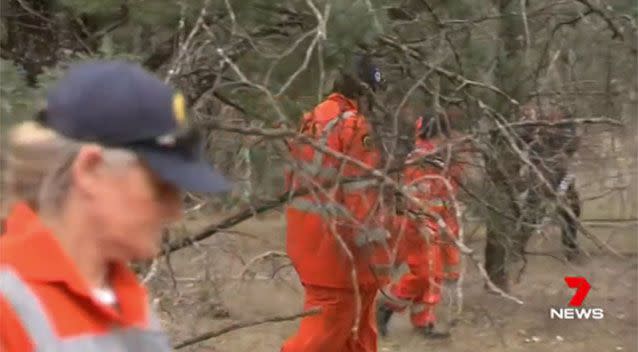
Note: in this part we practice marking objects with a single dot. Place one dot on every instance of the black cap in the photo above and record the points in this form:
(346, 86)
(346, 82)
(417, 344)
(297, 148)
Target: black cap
(119, 104)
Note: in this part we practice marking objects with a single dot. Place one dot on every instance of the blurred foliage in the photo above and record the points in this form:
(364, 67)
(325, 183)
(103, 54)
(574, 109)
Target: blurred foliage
(148, 12)
(17, 98)
(351, 24)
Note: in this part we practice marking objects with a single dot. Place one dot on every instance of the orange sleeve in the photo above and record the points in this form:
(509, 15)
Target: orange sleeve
(13, 338)
(361, 204)
(345, 225)
(339, 142)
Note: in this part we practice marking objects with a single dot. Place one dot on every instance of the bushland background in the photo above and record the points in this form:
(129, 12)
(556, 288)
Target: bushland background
(246, 67)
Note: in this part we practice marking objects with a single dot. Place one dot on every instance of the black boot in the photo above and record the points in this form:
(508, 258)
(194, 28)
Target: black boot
(383, 318)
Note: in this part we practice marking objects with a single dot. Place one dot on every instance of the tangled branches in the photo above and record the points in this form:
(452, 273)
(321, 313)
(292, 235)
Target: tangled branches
(269, 73)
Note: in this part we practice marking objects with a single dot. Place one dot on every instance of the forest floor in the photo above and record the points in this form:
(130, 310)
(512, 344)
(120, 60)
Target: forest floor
(208, 294)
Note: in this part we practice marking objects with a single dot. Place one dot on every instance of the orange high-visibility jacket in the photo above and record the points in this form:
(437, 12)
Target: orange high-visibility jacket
(45, 305)
(427, 183)
(412, 237)
(314, 219)
(436, 197)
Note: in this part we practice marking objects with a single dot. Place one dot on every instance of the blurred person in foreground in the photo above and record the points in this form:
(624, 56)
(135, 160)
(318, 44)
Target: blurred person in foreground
(92, 181)
(425, 243)
(322, 222)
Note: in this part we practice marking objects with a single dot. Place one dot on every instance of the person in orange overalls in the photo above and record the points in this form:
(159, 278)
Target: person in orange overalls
(333, 232)
(430, 255)
(106, 163)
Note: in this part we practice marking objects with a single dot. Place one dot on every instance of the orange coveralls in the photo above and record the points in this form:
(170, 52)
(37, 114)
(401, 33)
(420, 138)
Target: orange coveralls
(323, 266)
(427, 255)
(46, 306)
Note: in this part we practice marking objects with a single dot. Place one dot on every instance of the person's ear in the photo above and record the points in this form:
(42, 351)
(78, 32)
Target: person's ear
(86, 168)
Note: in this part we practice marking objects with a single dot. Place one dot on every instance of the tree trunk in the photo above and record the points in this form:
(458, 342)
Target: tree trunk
(506, 238)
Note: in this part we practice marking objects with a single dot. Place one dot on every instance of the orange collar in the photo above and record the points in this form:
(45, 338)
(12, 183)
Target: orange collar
(20, 215)
(46, 262)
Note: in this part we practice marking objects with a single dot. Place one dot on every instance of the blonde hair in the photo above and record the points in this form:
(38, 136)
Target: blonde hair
(38, 162)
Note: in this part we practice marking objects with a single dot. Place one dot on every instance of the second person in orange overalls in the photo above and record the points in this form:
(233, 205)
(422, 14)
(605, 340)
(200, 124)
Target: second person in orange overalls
(431, 256)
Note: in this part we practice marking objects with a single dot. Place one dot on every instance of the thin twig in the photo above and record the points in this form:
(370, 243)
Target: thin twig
(353, 277)
(35, 13)
(151, 273)
(262, 256)
(523, 5)
(261, 88)
(616, 32)
(183, 49)
(449, 74)
(245, 324)
(303, 67)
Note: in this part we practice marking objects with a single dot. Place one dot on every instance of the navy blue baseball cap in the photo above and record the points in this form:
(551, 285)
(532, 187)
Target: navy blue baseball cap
(121, 105)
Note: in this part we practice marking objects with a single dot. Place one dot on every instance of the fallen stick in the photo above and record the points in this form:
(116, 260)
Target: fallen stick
(225, 224)
(241, 325)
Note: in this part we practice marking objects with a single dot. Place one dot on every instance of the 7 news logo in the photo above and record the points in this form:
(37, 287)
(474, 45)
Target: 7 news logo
(576, 311)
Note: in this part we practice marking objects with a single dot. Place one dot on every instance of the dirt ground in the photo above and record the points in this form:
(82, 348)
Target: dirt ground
(208, 293)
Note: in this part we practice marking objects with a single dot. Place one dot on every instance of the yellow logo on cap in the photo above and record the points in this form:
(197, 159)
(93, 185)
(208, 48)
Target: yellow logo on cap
(179, 109)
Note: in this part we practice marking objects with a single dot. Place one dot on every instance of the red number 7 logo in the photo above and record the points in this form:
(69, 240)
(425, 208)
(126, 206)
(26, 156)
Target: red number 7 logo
(582, 289)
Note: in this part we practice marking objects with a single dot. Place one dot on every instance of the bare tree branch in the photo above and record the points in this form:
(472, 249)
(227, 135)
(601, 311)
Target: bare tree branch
(463, 82)
(245, 324)
(616, 32)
